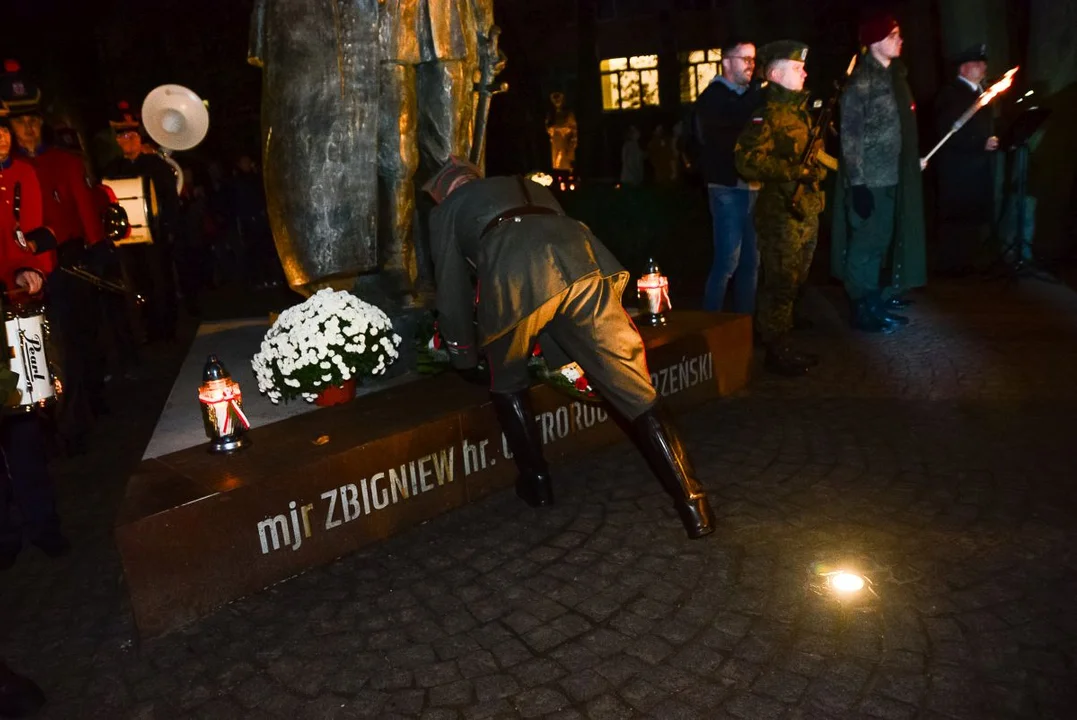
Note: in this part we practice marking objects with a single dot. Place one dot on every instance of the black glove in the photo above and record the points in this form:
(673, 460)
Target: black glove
(863, 201)
(476, 375)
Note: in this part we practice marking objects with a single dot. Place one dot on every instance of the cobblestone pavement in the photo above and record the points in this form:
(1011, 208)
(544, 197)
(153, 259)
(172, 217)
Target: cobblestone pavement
(938, 461)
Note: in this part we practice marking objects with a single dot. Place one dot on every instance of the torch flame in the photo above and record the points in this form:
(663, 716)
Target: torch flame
(1001, 86)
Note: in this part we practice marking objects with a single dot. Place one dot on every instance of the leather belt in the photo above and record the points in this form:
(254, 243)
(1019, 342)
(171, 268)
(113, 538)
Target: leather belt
(515, 213)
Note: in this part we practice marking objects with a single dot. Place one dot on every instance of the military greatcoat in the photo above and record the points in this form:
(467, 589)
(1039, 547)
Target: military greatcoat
(506, 255)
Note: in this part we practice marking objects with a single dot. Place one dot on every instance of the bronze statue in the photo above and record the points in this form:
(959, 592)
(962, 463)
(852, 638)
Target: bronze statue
(320, 135)
(561, 127)
(356, 90)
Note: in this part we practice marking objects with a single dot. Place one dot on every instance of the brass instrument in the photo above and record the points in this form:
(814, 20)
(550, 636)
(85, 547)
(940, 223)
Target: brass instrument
(177, 119)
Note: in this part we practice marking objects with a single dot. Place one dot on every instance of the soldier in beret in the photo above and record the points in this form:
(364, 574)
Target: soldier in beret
(770, 150)
(966, 165)
(543, 277)
(879, 220)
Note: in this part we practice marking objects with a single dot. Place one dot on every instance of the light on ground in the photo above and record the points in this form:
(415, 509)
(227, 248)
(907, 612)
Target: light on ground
(846, 582)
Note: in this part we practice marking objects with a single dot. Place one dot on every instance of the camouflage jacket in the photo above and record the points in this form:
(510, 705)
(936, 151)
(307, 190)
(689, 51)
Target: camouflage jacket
(770, 150)
(870, 125)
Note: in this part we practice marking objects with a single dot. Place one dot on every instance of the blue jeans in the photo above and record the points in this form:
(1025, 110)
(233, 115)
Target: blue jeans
(736, 255)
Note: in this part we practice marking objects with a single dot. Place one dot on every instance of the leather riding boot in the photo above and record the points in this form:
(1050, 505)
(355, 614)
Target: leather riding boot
(517, 419)
(19, 696)
(658, 440)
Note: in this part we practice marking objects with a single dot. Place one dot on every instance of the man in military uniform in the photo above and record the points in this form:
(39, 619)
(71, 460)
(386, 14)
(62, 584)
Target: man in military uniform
(771, 149)
(148, 268)
(879, 196)
(543, 277)
(24, 474)
(966, 165)
(70, 211)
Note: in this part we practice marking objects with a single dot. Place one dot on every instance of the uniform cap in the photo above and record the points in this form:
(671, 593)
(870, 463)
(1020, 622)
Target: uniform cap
(784, 50)
(976, 53)
(124, 117)
(452, 175)
(877, 28)
(20, 95)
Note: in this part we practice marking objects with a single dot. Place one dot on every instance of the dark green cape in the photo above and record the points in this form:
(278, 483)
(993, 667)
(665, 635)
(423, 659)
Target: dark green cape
(908, 255)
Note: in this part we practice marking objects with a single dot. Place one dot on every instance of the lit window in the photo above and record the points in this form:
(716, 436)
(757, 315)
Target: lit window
(629, 83)
(698, 68)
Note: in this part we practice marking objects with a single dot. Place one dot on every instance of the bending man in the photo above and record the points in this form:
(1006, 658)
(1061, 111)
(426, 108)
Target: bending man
(541, 273)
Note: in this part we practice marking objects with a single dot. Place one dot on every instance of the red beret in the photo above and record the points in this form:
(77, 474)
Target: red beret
(876, 28)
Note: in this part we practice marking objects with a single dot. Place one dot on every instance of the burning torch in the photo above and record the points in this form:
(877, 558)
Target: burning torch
(981, 102)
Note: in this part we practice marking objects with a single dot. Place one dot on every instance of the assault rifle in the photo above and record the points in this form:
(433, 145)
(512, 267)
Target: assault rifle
(814, 154)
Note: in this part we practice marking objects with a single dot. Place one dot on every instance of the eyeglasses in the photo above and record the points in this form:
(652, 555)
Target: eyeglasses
(746, 59)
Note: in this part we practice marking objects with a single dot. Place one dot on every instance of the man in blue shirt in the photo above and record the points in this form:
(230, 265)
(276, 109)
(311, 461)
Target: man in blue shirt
(721, 112)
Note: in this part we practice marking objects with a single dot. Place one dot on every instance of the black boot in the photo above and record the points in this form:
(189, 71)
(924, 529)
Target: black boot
(865, 319)
(898, 302)
(880, 310)
(657, 438)
(781, 359)
(517, 419)
(19, 696)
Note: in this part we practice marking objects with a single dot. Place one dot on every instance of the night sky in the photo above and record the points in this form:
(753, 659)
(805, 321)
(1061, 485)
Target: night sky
(87, 55)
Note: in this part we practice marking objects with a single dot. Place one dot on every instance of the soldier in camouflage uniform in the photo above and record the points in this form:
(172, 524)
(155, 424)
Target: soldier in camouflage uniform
(771, 149)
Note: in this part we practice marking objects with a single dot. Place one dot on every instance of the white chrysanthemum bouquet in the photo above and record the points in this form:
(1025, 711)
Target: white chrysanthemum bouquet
(326, 341)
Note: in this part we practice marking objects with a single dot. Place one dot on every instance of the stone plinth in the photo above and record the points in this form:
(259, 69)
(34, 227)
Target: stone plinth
(196, 531)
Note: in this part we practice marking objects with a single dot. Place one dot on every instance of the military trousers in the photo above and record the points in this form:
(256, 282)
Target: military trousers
(869, 241)
(585, 323)
(786, 248)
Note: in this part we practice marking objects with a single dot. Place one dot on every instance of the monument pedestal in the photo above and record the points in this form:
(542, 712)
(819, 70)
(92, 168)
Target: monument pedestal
(196, 531)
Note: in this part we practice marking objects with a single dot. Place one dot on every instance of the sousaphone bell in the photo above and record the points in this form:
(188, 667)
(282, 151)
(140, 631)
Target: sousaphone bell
(177, 119)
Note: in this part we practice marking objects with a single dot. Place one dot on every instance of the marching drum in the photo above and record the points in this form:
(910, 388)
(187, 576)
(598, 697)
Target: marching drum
(138, 198)
(27, 341)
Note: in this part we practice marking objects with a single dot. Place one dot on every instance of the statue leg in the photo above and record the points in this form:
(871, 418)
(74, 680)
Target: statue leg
(445, 126)
(446, 112)
(398, 159)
